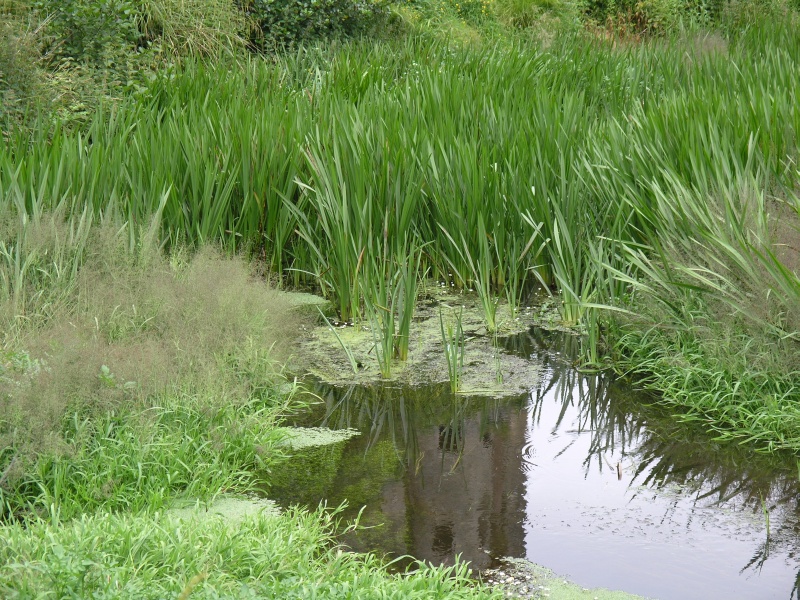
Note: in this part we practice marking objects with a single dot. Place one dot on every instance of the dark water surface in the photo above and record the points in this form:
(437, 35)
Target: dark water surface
(575, 476)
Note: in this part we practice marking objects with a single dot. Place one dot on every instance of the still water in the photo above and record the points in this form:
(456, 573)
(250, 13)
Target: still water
(575, 476)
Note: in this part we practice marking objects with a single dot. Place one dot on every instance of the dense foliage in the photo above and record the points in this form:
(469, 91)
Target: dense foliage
(359, 169)
(282, 23)
(636, 159)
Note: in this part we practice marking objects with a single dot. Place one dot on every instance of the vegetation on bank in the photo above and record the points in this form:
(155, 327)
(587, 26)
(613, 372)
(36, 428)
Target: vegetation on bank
(264, 556)
(636, 159)
(133, 382)
(656, 178)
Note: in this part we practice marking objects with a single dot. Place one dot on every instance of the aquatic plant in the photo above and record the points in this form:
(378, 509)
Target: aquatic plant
(349, 353)
(339, 165)
(453, 341)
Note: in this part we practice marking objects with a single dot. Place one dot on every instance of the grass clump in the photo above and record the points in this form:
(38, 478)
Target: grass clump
(261, 556)
(718, 315)
(183, 446)
(129, 376)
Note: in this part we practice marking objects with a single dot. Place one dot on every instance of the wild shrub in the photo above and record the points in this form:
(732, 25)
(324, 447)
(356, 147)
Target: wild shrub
(286, 23)
(20, 74)
(652, 16)
(105, 32)
(90, 30)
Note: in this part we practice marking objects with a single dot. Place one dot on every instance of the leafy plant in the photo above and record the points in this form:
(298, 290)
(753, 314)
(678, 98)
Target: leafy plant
(90, 30)
(284, 23)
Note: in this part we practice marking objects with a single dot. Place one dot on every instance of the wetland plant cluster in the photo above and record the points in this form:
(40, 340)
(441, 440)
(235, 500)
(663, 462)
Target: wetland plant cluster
(657, 180)
(647, 183)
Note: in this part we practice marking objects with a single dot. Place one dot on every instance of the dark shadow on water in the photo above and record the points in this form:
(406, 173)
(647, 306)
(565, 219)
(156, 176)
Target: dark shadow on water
(583, 475)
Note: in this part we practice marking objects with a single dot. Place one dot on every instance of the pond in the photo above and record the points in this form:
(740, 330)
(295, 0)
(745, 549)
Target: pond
(581, 475)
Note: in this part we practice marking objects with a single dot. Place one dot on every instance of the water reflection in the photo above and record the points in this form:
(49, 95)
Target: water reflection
(578, 475)
(460, 492)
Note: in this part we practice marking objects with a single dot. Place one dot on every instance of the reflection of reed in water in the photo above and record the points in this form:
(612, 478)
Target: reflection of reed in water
(666, 454)
(384, 411)
(462, 490)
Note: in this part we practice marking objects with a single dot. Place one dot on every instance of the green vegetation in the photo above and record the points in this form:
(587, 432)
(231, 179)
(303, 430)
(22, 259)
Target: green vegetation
(453, 342)
(132, 382)
(651, 187)
(638, 161)
(162, 556)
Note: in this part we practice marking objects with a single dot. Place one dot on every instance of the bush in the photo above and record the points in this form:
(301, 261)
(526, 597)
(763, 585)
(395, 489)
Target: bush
(92, 30)
(20, 76)
(103, 32)
(652, 16)
(286, 23)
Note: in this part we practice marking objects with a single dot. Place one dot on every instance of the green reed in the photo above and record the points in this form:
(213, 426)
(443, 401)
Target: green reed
(602, 173)
(453, 341)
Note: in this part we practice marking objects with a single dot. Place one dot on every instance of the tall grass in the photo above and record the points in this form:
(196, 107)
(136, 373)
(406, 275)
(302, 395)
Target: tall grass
(507, 166)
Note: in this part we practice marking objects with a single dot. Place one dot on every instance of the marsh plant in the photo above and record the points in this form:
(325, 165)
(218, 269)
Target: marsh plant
(339, 165)
(390, 296)
(498, 366)
(347, 351)
(453, 342)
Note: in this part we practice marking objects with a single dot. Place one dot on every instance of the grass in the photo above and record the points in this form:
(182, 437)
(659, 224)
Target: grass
(649, 188)
(156, 556)
(340, 165)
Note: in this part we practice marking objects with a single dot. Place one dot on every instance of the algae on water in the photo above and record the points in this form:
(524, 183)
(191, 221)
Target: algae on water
(303, 437)
(488, 370)
(233, 509)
